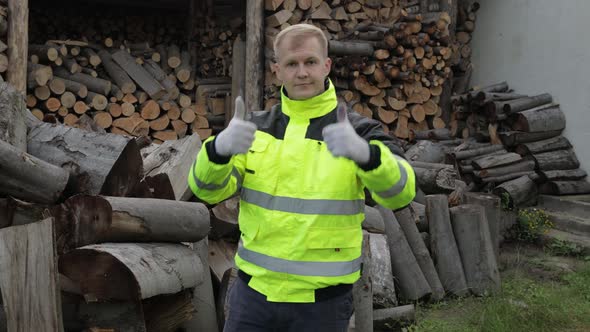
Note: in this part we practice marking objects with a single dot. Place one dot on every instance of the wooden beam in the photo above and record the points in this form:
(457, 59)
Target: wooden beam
(18, 39)
(254, 54)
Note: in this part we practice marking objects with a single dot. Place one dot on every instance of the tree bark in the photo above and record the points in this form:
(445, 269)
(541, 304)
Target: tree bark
(205, 318)
(167, 313)
(149, 84)
(475, 247)
(426, 151)
(380, 273)
(131, 271)
(254, 54)
(105, 164)
(18, 39)
(436, 181)
(13, 128)
(495, 160)
(548, 119)
(491, 204)
(512, 138)
(28, 277)
(29, 178)
(412, 283)
(383, 319)
(546, 145)
(174, 159)
(521, 104)
(443, 247)
(83, 220)
(565, 187)
(562, 175)
(363, 292)
(339, 48)
(556, 160)
(408, 225)
(373, 221)
(116, 73)
(93, 84)
(519, 192)
(14, 212)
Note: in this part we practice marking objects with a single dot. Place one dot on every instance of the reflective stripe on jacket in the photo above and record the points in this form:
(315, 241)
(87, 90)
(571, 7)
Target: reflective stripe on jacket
(301, 209)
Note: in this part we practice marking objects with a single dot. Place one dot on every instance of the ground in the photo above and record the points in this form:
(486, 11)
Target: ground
(540, 292)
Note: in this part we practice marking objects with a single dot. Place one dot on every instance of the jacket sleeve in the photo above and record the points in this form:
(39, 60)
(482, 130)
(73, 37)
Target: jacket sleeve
(388, 176)
(213, 178)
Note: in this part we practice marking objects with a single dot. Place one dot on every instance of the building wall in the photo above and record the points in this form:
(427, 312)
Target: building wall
(539, 46)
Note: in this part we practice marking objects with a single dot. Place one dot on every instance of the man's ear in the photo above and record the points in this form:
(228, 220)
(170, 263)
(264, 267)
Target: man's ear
(277, 69)
(327, 65)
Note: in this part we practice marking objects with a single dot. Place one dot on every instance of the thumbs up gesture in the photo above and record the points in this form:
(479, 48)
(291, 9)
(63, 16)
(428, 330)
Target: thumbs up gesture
(237, 138)
(343, 141)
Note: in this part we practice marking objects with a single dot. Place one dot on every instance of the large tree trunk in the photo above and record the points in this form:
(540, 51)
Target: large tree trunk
(443, 247)
(473, 239)
(548, 119)
(381, 273)
(412, 283)
(83, 220)
(130, 271)
(363, 291)
(426, 151)
(421, 253)
(512, 138)
(28, 277)
(383, 319)
(29, 178)
(105, 164)
(373, 221)
(13, 128)
(550, 144)
(174, 159)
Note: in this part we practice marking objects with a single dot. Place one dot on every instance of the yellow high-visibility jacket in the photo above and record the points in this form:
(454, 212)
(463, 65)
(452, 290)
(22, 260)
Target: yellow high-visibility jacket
(301, 209)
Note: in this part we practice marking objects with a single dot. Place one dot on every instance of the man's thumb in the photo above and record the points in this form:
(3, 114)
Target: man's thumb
(341, 113)
(240, 111)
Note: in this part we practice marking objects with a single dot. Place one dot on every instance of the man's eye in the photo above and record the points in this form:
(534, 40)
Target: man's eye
(311, 62)
(291, 64)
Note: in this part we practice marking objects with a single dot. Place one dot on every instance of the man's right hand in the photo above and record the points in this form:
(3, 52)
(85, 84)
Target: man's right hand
(237, 138)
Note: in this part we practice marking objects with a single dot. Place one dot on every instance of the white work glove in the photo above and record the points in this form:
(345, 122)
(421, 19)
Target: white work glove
(343, 141)
(237, 138)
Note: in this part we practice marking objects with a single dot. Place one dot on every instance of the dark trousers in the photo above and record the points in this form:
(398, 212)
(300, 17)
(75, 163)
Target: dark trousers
(251, 312)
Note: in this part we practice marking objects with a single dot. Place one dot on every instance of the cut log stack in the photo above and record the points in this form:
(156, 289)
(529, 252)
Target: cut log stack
(461, 58)
(388, 62)
(133, 79)
(103, 214)
(3, 39)
(521, 152)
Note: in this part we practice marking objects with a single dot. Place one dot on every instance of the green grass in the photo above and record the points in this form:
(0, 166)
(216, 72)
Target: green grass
(525, 303)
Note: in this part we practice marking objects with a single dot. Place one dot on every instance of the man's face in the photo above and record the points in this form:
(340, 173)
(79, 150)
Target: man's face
(302, 66)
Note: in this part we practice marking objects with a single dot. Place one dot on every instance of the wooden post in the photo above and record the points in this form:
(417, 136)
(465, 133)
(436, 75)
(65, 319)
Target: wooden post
(18, 39)
(254, 54)
(28, 277)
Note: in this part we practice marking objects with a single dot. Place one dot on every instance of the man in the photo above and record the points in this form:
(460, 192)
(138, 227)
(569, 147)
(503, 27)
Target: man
(301, 170)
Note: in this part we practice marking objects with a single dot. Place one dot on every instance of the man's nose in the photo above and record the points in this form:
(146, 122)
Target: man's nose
(301, 71)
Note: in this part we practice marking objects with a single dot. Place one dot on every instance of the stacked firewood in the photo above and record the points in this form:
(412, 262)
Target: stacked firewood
(502, 142)
(133, 79)
(3, 41)
(387, 63)
(461, 58)
(117, 217)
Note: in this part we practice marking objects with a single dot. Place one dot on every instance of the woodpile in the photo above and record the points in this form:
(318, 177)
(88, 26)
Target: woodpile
(390, 60)
(133, 75)
(110, 227)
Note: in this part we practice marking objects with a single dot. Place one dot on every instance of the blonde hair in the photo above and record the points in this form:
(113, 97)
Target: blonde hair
(298, 31)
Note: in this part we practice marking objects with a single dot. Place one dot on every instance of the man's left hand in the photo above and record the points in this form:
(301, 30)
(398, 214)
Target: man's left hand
(343, 141)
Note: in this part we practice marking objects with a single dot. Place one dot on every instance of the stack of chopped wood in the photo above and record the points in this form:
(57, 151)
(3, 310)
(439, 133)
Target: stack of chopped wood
(117, 218)
(502, 142)
(388, 64)
(461, 59)
(3, 41)
(131, 79)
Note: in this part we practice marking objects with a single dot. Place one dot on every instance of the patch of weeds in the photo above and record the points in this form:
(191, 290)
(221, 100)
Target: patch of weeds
(564, 248)
(530, 224)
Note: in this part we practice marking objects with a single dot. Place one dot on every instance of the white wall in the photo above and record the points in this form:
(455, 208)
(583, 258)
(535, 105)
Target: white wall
(539, 46)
